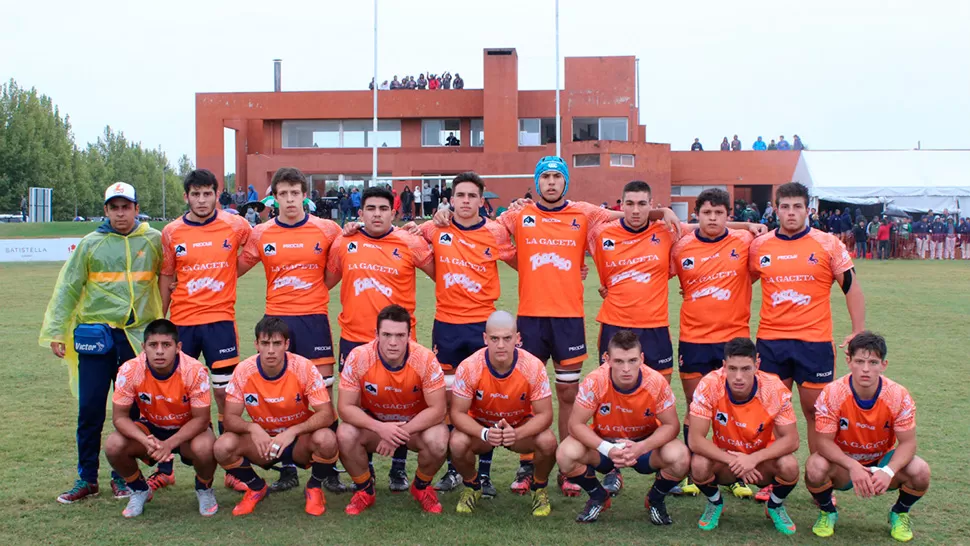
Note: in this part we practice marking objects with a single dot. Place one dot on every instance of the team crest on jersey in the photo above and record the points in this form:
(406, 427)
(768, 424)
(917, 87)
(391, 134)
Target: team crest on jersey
(522, 397)
(528, 220)
(687, 263)
(812, 259)
(843, 423)
(445, 239)
(226, 244)
(351, 247)
(145, 398)
(371, 388)
(721, 418)
(415, 389)
(886, 426)
(575, 225)
(761, 428)
(298, 398)
(317, 249)
(648, 413)
(185, 399)
(488, 252)
(608, 244)
(269, 249)
(734, 254)
(605, 409)
(765, 260)
(181, 250)
(479, 395)
(396, 253)
(251, 399)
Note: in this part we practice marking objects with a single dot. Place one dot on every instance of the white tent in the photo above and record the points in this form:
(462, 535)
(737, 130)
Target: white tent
(912, 180)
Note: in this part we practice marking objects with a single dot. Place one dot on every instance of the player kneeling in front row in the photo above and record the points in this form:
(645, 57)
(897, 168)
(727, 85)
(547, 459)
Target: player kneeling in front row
(171, 390)
(290, 410)
(859, 418)
(392, 393)
(635, 425)
(754, 434)
(501, 397)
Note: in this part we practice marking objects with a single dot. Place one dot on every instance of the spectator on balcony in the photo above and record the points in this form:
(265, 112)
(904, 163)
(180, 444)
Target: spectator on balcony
(385, 86)
(433, 82)
(725, 145)
(735, 144)
(759, 145)
(371, 85)
(452, 140)
(696, 146)
(446, 80)
(395, 84)
(459, 83)
(422, 82)
(783, 144)
(797, 144)
(772, 145)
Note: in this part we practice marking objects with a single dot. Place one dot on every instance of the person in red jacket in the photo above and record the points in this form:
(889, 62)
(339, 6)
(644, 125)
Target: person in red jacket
(433, 82)
(883, 238)
(397, 203)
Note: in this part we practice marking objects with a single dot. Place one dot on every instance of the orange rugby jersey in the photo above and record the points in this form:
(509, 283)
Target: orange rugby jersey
(392, 395)
(495, 397)
(745, 426)
(634, 267)
(278, 403)
(376, 272)
(866, 435)
(715, 282)
(625, 415)
(466, 272)
(202, 257)
(294, 258)
(796, 281)
(165, 402)
(551, 245)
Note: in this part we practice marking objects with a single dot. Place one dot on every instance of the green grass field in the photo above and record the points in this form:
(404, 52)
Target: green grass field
(921, 307)
(53, 229)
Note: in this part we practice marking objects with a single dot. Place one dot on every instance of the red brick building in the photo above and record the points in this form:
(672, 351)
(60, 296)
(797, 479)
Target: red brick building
(500, 130)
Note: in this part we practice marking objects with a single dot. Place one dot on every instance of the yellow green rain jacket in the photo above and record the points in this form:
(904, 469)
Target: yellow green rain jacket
(109, 279)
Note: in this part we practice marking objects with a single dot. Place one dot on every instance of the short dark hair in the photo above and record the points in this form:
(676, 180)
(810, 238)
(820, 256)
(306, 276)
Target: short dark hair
(791, 189)
(469, 176)
(636, 185)
(200, 178)
(394, 313)
(624, 340)
(715, 196)
(376, 191)
(740, 346)
(290, 175)
(267, 326)
(161, 327)
(868, 341)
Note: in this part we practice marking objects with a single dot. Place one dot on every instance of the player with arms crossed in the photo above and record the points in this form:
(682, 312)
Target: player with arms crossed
(378, 266)
(391, 395)
(502, 398)
(290, 413)
(750, 416)
(294, 248)
(200, 252)
(860, 417)
(635, 425)
(171, 390)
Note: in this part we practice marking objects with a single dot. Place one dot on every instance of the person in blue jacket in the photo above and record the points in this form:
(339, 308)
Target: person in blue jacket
(759, 145)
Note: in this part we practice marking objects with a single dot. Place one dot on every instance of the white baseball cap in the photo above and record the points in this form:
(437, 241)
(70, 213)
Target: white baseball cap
(120, 189)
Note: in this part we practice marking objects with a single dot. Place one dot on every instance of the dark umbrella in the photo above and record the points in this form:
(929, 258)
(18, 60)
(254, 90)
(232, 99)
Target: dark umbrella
(258, 205)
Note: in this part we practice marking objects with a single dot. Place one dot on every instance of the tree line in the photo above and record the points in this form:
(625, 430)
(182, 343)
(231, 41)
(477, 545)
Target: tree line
(37, 149)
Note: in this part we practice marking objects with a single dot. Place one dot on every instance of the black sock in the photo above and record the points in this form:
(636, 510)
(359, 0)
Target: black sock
(138, 484)
(318, 473)
(421, 483)
(247, 475)
(824, 500)
(201, 485)
(779, 492)
(399, 459)
(485, 463)
(367, 486)
(220, 427)
(590, 484)
(536, 485)
(711, 491)
(686, 431)
(474, 484)
(661, 486)
(165, 467)
(451, 466)
(905, 502)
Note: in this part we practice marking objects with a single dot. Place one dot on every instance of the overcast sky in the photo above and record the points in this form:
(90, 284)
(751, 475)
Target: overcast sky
(843, 75)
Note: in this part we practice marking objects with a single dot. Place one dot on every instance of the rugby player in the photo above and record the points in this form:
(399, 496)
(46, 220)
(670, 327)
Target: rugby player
(294, 248)
(199, 252)
(859, 420)
(635, 425)
(797, 266)
(171, 390)
(392, 394)
(749, 415)
(501, 397)
(290, 413)
(378, 266)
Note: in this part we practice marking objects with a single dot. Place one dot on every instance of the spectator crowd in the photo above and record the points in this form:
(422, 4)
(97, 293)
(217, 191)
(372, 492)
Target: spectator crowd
(759, 145)
(432, 81)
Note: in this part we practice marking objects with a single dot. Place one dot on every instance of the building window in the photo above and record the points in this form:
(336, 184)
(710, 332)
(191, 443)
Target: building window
(692, 191)
(586, 160)
(537, 131)
(621, 160)
(600, 129)
(440, 132)
(478, 132)
(351, 133)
